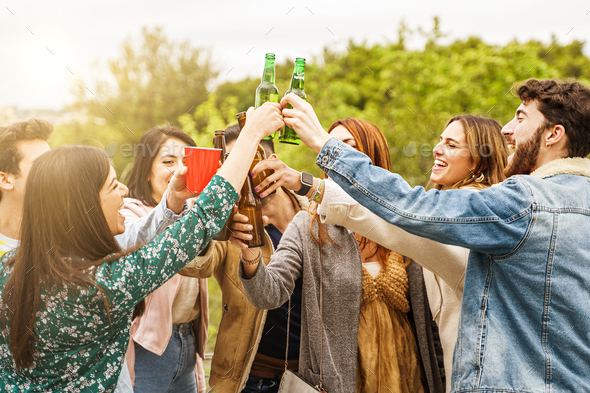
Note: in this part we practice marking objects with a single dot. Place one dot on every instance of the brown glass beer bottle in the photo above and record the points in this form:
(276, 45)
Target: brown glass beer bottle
(259, 156)
(219, 143)
(250, 206)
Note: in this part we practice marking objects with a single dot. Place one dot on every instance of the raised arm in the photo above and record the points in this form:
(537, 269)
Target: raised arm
(272, 285)
(492, 221)
(131, 278)
(144, 229)
(448, 262)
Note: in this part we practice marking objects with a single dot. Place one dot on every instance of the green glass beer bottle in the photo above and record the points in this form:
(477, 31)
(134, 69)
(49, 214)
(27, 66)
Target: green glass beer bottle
(219, 143)
(287, 134)
(267, 91)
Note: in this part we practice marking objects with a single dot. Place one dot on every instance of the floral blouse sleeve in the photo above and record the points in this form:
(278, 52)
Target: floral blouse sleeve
(131, 278)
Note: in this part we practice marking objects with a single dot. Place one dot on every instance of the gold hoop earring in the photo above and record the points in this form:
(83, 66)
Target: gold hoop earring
(480, 178)
(547, 145)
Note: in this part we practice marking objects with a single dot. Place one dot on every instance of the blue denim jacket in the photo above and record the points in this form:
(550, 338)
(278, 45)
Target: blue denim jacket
(525, 316)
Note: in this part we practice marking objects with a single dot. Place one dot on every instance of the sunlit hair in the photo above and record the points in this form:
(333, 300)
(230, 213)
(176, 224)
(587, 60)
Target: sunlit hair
(63, 234)
(150, 143)
(487, 147)
(370, 141)
(10, 153)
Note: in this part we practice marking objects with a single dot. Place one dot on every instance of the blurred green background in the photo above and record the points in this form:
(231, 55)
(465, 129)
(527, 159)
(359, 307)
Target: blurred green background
(409, 94)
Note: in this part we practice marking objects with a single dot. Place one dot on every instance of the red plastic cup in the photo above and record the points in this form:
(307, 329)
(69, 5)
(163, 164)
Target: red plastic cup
(202, 164)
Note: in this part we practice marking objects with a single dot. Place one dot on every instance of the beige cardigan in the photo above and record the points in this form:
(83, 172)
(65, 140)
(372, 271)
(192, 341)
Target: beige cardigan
(444, 273)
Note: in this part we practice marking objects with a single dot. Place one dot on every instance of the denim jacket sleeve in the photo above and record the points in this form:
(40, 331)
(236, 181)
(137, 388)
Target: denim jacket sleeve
(146, 228)
(492, 221)
(447, 262)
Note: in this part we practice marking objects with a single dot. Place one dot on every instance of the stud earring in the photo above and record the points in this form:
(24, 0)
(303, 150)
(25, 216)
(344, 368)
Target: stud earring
(547, 145)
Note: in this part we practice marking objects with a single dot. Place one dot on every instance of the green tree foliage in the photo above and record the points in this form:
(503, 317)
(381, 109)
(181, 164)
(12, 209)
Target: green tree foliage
(151, 83)
(409, 94)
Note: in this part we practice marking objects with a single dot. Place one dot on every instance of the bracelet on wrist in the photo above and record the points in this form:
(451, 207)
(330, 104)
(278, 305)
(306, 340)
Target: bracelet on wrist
(317, 195)
(251, 261)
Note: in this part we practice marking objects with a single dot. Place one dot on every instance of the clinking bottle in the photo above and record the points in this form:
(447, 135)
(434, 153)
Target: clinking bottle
(267, 90)
(259, 156)
(249, 204)
(219, 143)
(287, 134)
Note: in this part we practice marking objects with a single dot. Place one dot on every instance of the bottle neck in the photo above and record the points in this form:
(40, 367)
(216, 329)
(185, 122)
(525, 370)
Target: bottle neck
(241, 121)
(247, 188)
(298, 78)
(269, 71)
(219, 142)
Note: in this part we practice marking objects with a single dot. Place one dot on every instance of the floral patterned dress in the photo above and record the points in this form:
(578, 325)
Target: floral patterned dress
(77, 349)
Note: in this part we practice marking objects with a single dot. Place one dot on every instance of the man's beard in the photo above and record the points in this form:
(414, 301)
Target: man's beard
(524, 160)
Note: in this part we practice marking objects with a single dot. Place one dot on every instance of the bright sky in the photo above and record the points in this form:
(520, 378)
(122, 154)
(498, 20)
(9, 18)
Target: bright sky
(45, 45)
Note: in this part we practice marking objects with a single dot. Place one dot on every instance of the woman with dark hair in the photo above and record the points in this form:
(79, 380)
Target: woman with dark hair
(68, 292)
(170, 331)
(471, 154)
(369, 343)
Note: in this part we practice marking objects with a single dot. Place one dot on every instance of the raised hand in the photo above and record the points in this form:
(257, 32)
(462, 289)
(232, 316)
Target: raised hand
(304, 121)
(283, 176)
(238, 228)
(263, 121)
(176, 193)
(260, 123)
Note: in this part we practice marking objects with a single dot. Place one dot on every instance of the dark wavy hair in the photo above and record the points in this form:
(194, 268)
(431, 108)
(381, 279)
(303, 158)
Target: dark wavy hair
(150, 143)
(566, 104)
(10, 154)
(62, 192)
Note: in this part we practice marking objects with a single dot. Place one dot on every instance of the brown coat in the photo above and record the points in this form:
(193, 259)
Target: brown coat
(241, 324)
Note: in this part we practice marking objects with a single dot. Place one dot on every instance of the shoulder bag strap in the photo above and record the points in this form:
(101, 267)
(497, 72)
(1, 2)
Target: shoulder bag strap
(320, 387)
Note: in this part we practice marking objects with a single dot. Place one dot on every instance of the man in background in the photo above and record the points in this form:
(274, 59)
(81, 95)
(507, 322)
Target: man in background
(20, 144)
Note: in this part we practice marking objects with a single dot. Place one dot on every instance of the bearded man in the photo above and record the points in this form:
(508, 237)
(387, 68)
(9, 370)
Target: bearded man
(526, 305)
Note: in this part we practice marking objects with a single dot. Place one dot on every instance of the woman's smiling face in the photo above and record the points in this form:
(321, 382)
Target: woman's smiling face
(170, 158)
(111, 201)
(452, 160)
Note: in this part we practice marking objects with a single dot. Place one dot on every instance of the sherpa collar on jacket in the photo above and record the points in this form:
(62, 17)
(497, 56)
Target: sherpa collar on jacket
(564, 166)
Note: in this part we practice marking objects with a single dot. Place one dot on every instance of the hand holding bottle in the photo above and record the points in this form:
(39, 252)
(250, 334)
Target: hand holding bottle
(241, 228)
(263, 121)
(304, 121)
(283, 176)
